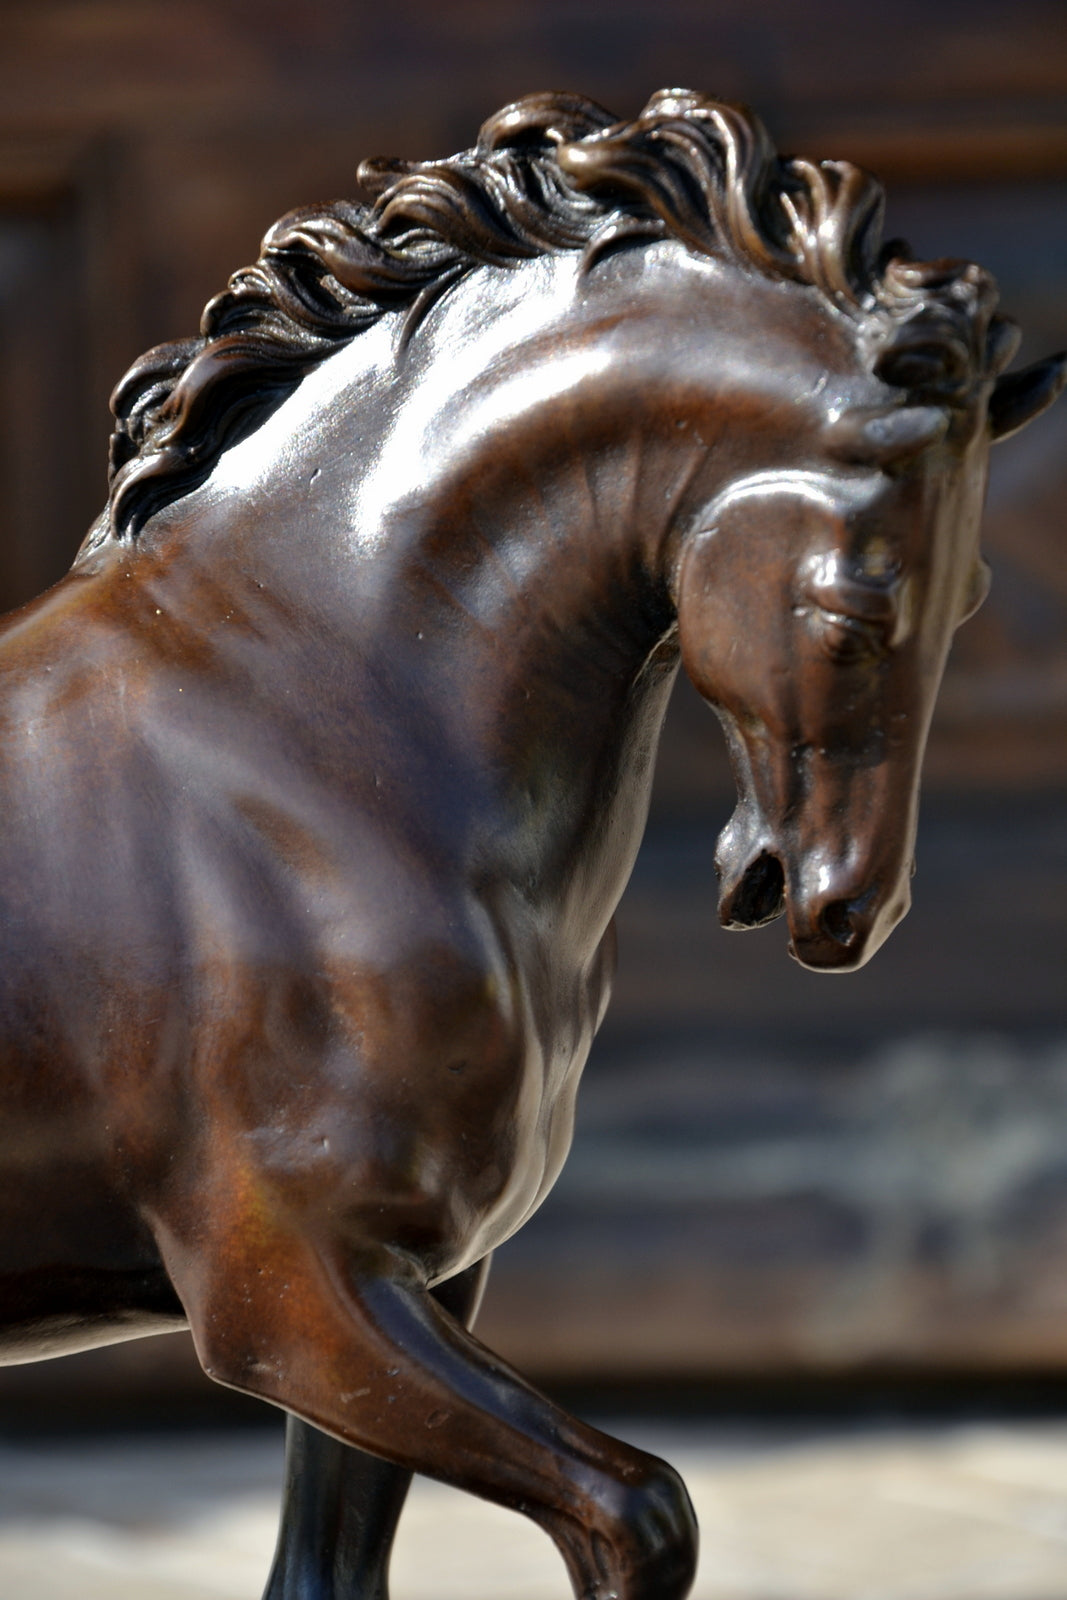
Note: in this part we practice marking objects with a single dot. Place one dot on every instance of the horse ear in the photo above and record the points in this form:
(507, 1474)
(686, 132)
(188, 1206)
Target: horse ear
(1002, 344)
(1019, 397)
(880, 438)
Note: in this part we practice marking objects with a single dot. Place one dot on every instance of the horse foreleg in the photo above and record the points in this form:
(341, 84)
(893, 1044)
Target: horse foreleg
(340, 1506)
(350, 1340)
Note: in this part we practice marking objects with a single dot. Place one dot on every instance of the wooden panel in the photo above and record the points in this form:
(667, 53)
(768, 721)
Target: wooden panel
(42, 399)
(67, 327)
(773, 1171)
(784, 1171)
(801, 1207)
(162, 64)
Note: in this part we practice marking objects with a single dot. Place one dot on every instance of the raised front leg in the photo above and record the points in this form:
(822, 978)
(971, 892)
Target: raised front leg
(350, 1341)
(340, 1506)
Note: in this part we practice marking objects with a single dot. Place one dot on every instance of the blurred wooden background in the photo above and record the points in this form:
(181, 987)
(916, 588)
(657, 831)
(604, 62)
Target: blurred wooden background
(775, 1173)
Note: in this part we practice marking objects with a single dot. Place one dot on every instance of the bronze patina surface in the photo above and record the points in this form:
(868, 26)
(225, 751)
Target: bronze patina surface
(325, 767)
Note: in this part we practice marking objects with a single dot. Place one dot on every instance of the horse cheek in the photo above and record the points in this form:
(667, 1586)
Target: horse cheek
(724, 643)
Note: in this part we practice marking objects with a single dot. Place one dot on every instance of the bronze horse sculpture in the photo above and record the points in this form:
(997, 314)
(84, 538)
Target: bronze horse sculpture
(324, 768)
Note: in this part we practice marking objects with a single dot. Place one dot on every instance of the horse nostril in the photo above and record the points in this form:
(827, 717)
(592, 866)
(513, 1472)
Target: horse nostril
(761, 894)
(837, 921)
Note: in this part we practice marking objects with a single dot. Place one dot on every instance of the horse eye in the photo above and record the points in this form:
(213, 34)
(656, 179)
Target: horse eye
(848, 639)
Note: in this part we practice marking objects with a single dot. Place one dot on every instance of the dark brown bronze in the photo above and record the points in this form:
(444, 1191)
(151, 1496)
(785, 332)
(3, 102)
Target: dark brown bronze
(325, 767)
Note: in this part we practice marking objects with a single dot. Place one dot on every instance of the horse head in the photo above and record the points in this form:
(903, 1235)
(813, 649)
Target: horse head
(833, 401)
(817, 604)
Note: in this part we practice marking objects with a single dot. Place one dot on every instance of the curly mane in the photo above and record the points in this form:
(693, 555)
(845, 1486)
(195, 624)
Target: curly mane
(550, 173)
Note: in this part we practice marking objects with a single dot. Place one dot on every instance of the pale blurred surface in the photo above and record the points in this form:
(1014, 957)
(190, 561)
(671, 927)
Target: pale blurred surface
(974, 1511)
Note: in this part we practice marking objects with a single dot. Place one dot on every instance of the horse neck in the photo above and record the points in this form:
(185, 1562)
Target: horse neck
(536, 419)
(523, 585)
(495, 491)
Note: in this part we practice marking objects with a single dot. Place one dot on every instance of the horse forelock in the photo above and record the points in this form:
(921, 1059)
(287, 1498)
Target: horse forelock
(551, 173)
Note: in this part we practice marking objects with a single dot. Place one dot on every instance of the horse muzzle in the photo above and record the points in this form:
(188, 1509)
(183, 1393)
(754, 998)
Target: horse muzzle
(836, 928)
(833, 925)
